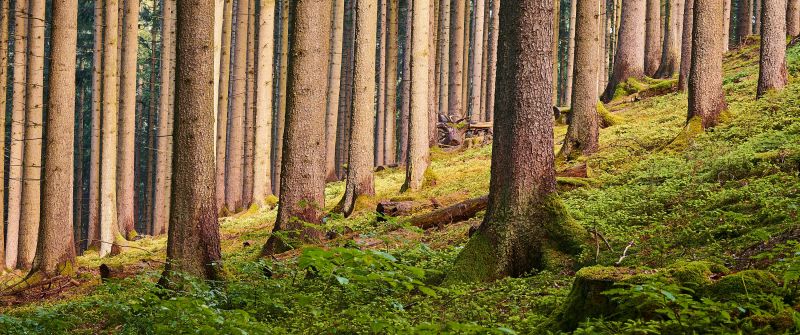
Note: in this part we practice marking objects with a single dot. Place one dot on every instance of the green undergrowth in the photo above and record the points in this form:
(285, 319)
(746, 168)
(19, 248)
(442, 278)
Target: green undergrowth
(726, 197)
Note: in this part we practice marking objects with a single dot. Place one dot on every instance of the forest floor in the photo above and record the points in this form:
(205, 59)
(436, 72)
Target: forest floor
(659, 196)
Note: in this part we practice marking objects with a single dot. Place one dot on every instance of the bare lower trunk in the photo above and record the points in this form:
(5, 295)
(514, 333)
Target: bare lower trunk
(418, 149)
(380, 81)
(773, 74)
(793, 18)
(652, 47)
(126, 162)
(93, 229)
(671, 55)
(161, 199)
(262, 185)
(235, 159)
(222, 107)
(686, 45)
(629, 59)
(249, 111)
(108, 166)
(706, 98)
(726, 25)
(570, 53)
(745, 18)
(492, 50)
(3, 104)
(405, 93)
(477, 62)
(455, 104)
(17, 132)
(332, 98)
(281, 119)
(390, 148)
(443, 74)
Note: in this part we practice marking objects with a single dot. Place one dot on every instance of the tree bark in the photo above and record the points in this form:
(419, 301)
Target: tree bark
(3, 104)
(726, 25)
(360, 179)
(433, 117)
(392, 57)
(706, 98)
(524, 220)
(629, 58)
(457, 16)
(652, 46)
(686, 45)
(477, 62)
(93, 229)
(262, 184)
(249, 111)
(55, 253)
(235, 169)
(193, 242)
(793, 18)
(492, 72)
(418, 148)
(17, 145)
(484, 68)
(757, 16)
(443, 74)
(380, 81)
(772, 68)
(334, 86)
(745, 18)
(302, 196)
(127, 119)
(162, 198)
(671, 55)
(584, 131)
(222, 107)
(405, 91)
(281, 119)
(219, 21)
(32, 157)
(570, 52)
(346, 90)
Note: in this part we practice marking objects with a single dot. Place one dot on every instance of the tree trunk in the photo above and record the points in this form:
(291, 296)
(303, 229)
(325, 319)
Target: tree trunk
(726, 25)
(127, 119)
(262, 185)
(556, 40)
(405, 91)
(93, 229)
(773, 74)
(418, 148)
(455, 104)
(249, 111)
(583, 133)
(193, 243)
(652, 46)
(745, 17)
(686, 45)
(492, 50)
(671, 55)
(524, 221)
(162, 198)
(334, 86)
(380, 81)
(302, 196)
(390, 148)
(477, 62)
(32, 158)
(360, 179)
(793, 18)
(222, 107)
(629, 59)
(55, 253)
(443, 74)
(235, 174)
(15, 175)
(570, 52)
(465, 70)
(487, 6)
(757, 16)
(78, 170)
(706, 98)
(281, 119)
(152, 112)
(433, 118)
(219, 21)
(346, 90)
(3, 104)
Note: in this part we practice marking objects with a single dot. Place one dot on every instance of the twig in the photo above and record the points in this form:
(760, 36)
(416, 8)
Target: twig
(624, 253)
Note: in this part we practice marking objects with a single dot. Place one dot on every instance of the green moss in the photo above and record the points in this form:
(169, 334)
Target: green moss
(563, 232)
(607, 119)
(695, 274)
(744, 283)
(477, 262)
(692, 129)
(271, 201)
(429, 178)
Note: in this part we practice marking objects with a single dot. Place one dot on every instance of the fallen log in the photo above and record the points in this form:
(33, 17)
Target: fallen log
(461, 211)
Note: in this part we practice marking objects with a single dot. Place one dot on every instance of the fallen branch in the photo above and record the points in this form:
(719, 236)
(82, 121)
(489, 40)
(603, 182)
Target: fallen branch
(624, 253)
(461, 211)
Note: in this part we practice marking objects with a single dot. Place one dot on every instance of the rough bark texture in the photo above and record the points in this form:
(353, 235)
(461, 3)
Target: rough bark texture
(726, 24)
(793, 18)
(477, 62)
(3, 104)
(249, 110)
(345, 89)
(108, 166)
(773, 74)
(686, 45)
(405, 91)
(583, 133)
(32, 158)
(443, 74)
(418, 149)
(390, 148)
(235, 160)
(454, 102)
(433, 118)
(652, 46)
(571, 52)
(487, 7)
(671, 55)
(219, 21)
(706, 98)
(492, 50)
(360, 179)
(757, 16)
(93, 229)
(17, 132)
(332, 98)
(222, 108)
(262, 185)
(127, 119)
(380, 81)
(745, 20)
(302, 197)
(55, 253)
(281, 119)
(193, 242)
(162, 198)
(629, 58)
(525, 225)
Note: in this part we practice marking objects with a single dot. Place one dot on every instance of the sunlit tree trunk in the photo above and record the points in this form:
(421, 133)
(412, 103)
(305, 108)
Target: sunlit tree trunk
(235, 174)
(726, 25)
(432, 107)
(262, 184)
(652, 46)
(773, 74)
(629, 58)
(671, 55)
(706, 98)
(162, 198)
(222, 102)
(127, 119)
(93, 229)
(249, 111)
(494, 33)
(334, 81)
(392, 58)
(686, 45)
(418, 148)
(457, 18)
(3, 104)
(219, 20)
(443, 74)
(380, 81)
(477, 62)
(793, 18)
(571, 52)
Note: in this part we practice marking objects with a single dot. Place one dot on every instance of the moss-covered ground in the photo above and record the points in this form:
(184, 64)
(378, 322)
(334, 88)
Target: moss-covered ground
(708, 226)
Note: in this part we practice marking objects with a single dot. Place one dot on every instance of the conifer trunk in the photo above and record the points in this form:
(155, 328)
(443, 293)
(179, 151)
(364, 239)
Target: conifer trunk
(571, 52)
(380, 81)
(127, 119)
(108, 166)
(281, 119)
(405, 91)
(222, 106)
(93, 229)
(443, 74)
(652, 46)
(793, 18)
(455, 104)
(629, 58)
(477, 62)
(235, 169)
(706, 98)
(726, 25)
(3, 104)
(418, 148)
(686, 45)
(262, 184)
(162, 198)
(249, 111)
(492, 72)
(334, 86)
(745, 20)
(392, 58)
(671, 55)
(17, 132)
(773, 74)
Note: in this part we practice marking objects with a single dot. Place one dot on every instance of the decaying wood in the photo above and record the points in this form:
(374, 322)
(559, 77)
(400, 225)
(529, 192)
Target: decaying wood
(578, 171)
(456, 213)
(403, 208)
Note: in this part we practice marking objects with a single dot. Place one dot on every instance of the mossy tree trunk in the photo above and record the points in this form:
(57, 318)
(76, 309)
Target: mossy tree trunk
(629, 58)
(706, 98)
(773, 74)
(302, 195)
(526, 227)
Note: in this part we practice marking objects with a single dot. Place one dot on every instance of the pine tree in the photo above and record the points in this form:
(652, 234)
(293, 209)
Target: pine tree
(418, 149)
(334, 87)
(793, 18)
(773, 74)
(671, 54)
(222, 107)
(454, 101)
(262, 184)
(93, 229)
(17, 145)
(706, 98)
(235, 159)
(163, 171)
(629, 58)
(652, 42)
(686, 45)
(108, 166)
(4, 13)
(127, 118)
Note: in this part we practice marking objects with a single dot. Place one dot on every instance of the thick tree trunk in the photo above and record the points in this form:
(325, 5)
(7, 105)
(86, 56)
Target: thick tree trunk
(235, 174)
(262, 184)
(360, 179)
(652, 46)
(193, 242)
(583, 133)
(629, 58)
(162, 198)
(492, 66)
(524, 221)
(726, 24)
(334, 86)
(706, 98)
(127, 119)
(302, 196)
(93, 229)
(418, 148)
(281, 119)
(108, 167)
(745, 20)
(222, 107)
(3, 104)
(380, 81)
(455, 104)
(686, 45)
(671, 55)
(249, 110)
(55, 253)
(32, 158)
(773, 74)
(793, 18)
(477, 62)
(392, 57)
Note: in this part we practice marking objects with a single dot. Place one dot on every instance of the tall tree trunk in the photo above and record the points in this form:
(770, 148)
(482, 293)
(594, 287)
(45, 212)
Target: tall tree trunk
(380, 81)
(392, 58)
(524, 222)
(433, 118)
(222, 106)
(686, 45)
(465, 70)
(302, 196)
(443, 74)
(629, 59)
(726, 25)
(55, 253)
(346, 89)
(193, 241)
(127, 119)
(152, 111)
(671, 55)
(477, 62)
(757, 16)
(219, 21)
(249, 111)
(583, 133)
(455, 104)
(17, 132)
(487, 6)
(773, 74)
(32, 158)
(793, 18)
(162, 198)
(281, 119)
(360, 179)
(706, 98)
(334, 86)
(78, 173)
(235, 159)
(93, 229)
(405, 91)
(262, 184)
(3, 104)
(652, 46)
(492, 66)
(745, 18)
(418, 149)
(571, 52)
(556, 39)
